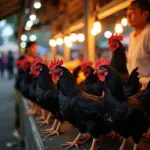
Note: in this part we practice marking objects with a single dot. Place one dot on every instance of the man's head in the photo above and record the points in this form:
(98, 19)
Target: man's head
(138, 13)
(31, 49)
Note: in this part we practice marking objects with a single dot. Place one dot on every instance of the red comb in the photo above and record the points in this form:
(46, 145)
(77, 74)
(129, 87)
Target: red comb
(53, 64)
(115, 37)
(36, 61)
(86, 64)
(102, 61)
(18, 63)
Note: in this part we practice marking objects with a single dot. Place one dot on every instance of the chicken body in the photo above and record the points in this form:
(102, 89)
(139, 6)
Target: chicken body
(124, 118)
(46, 92)
(84, 111)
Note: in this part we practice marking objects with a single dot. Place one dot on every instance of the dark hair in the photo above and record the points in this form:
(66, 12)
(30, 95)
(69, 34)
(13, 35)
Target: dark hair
(143, 5)
(29, 44)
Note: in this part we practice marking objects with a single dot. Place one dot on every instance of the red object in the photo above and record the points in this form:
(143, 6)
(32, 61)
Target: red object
(4, 60)
(18, 63)
(102, 61)
(25, 64)
(21, 63)
(53, 64)
(113, 44)
(35, 73)
(36, 61)
(115, 37)
(86, 64)
(113, 47)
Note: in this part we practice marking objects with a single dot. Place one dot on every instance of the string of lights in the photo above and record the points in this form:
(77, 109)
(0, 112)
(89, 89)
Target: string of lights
(73, 37)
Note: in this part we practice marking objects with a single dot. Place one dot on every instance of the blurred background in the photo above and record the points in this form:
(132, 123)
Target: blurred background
(61, 26)
(67, 29)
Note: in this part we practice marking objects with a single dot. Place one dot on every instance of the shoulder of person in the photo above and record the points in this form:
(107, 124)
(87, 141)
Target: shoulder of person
(131, 34)
(147, 30)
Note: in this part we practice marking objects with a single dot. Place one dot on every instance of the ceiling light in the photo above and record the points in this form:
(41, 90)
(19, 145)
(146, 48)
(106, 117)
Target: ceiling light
(33, 38)
(23, 37)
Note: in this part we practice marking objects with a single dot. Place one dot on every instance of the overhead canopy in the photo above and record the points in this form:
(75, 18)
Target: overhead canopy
(11, 46)
(11, 7)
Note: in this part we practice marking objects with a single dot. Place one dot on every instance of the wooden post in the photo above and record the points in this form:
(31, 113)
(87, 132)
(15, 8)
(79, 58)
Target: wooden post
(53, 52)
(19, 33)
(89, 47)
(66, 53)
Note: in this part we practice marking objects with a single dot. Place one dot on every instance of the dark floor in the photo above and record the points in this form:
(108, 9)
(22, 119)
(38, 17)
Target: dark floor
(50, 143)
(6, 113)
(54, 142)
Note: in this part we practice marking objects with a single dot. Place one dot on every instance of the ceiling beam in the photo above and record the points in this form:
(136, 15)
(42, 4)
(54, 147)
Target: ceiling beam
(6, 7)
(112, 8)
(76, 26)
(2, 2)
(9, 13)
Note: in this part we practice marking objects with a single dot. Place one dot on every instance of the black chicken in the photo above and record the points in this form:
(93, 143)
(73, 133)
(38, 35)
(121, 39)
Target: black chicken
(28, 82)
(76, 72)
(123, 118)
(82, 110)
(47, 97)
(132, 85)
(86, 68)
(119, 60)
(143, 98)
(91, 84)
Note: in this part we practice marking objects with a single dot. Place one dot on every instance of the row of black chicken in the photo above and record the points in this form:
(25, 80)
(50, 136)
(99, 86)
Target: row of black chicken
(121, 108)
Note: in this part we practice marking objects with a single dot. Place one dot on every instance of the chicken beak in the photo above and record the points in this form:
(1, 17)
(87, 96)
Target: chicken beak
(96, 71)
(50, 72)
(99, 71)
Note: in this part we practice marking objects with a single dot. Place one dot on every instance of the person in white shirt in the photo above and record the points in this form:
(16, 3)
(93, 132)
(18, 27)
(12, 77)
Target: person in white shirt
(138, 15)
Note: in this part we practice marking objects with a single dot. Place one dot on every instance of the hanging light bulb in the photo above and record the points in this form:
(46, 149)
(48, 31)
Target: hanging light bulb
(33, 17)
(23, 44)
(32, 38)
(81, 37)
(27, 28)
(69, 44)
(52, 43)
(29, 23)
(118, 28)
(59, 41)
(67, 39)
(37, 5)
(108, 34)
(124, 22)
(93, 32)
(23, 37)
(73, 37)
(97, 26)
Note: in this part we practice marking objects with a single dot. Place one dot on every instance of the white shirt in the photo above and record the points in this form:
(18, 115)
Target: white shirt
(139, 53)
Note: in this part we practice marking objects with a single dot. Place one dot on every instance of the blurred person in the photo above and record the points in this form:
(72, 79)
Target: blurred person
(29, 54)
(10, 64)
(138, 15)
(3, 62)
